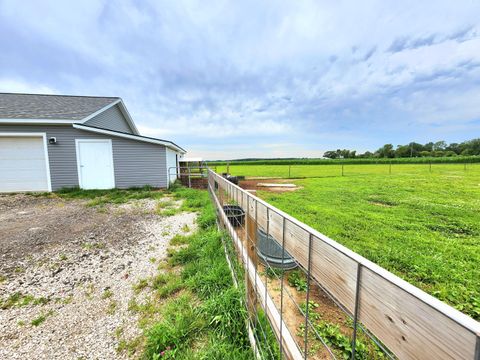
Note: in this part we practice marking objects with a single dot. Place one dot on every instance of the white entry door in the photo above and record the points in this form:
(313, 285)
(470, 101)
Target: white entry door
(95, 164)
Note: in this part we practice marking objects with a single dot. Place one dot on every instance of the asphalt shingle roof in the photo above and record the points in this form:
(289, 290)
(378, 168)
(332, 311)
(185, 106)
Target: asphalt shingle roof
(61, 107)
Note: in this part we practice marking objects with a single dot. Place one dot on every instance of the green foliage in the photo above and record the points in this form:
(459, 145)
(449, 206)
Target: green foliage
(167, 284)
(422, 226)
(298, 280)
(113, 196)
(273, 273)
(207, 319)
(18, 299)
(312, 305)
(41, 318)
(359, 160)
(179, 239)
(179, 327)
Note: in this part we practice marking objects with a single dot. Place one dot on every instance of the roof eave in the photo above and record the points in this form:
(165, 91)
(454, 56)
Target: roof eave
(135, 137)
(123, 109)
(40, 121)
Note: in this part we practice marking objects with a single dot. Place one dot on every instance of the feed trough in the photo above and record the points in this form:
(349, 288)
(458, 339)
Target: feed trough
(235, 214)
(270, 252)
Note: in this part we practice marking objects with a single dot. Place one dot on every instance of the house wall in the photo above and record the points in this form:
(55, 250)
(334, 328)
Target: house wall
(112, 119)
(135, 163)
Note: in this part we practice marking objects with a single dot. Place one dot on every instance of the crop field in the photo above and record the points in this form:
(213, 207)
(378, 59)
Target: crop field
(422, 224)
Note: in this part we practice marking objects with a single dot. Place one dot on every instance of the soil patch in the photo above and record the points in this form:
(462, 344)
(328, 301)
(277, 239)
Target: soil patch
(68, 271)
(259, 184)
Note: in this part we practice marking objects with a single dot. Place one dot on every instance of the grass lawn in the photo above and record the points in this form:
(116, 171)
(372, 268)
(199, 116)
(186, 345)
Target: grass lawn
(423, 226)
(334, 170)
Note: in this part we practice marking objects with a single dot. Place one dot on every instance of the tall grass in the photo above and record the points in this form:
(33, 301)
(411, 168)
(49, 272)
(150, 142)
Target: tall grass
(207, 321)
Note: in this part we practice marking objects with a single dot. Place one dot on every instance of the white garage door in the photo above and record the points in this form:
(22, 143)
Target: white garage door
(23, 166)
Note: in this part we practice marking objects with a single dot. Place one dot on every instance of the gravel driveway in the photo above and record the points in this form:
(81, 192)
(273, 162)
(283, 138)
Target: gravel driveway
(67, 273)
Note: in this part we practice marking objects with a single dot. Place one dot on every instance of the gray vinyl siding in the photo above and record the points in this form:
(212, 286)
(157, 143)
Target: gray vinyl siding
(112, 119)
(135, 163)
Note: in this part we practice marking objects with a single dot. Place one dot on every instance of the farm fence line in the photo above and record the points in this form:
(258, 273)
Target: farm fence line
(308, 297)
(296, 171)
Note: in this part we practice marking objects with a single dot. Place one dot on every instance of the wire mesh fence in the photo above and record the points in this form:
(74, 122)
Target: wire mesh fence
(308, 297)
(338, 169)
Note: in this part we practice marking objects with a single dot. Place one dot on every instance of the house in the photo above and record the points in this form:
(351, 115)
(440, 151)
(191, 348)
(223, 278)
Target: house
(49, 142)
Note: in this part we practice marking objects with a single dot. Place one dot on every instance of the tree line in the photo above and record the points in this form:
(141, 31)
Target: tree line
(413, 149)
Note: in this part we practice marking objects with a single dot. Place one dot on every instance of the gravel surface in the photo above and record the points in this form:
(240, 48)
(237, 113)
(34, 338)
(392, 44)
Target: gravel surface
(77, 266)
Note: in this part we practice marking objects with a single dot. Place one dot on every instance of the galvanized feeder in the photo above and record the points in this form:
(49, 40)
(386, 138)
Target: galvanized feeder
(235, 214)
(270, 252)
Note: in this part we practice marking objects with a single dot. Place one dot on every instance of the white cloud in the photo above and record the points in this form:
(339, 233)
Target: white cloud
(21, 86)
(278, 72)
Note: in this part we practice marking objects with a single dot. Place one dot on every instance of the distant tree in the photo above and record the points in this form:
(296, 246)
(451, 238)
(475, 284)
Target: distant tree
(440, 145)
(455, 147)
(449, 153)
(386, 151)
(474, 146)
(402, 151)
(428, 146)
(413, 149)
(331, 154)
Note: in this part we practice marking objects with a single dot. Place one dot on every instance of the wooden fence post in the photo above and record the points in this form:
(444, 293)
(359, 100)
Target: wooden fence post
(251, 245)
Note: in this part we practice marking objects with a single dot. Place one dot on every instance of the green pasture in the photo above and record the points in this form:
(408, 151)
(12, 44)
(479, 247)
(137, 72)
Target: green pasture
(335, 170)
(422, 225)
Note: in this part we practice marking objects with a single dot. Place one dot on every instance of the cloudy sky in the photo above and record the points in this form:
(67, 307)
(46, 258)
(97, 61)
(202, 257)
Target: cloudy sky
(234, 79)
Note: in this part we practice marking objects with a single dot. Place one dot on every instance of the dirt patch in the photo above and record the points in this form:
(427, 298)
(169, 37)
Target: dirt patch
(255, 184)
(68, 271)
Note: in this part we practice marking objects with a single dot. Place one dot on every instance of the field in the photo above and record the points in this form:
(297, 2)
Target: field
(420, 223)
(357, 160)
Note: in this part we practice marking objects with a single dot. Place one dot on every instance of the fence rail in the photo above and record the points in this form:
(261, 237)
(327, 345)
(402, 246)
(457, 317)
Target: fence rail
(392, 317)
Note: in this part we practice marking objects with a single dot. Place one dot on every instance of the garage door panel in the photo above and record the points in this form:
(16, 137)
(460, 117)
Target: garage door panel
(23, 165)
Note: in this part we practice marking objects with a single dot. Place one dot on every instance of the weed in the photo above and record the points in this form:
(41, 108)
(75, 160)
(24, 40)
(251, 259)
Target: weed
(179, 240)
(185, 228)
(273, 273)
(133, 305)
(169, 212)
(297, 279)
(114, 196)
(112, 307)
(312, 305)
(167, 284)
(92, 246)
(107, 294)
(206, 319)
(140, 285)
(131, 347)
(89, 291)
(62, 257)
(41, 318)
(18, 300)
